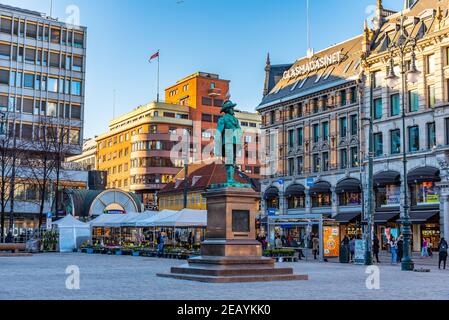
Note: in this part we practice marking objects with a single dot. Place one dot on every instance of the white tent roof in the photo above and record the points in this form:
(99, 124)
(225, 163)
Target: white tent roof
(134, 220)
(107, 220)
(152, 220)
(184, 218)
(70, 222)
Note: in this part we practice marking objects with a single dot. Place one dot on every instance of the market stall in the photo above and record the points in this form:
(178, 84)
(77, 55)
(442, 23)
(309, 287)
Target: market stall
(72, 233)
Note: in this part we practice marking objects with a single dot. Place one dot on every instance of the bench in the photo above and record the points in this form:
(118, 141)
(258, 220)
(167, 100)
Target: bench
(15, 247)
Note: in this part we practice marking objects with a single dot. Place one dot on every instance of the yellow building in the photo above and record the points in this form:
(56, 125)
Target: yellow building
(136, 150)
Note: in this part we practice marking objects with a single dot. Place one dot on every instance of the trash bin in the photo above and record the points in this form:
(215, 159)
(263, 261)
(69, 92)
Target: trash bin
(344, 254)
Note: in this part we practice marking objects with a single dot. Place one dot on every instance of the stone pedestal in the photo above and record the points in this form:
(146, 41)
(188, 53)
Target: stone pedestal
(230, 252)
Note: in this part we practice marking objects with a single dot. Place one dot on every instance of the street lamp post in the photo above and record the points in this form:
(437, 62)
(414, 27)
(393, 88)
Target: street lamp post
(404, 43)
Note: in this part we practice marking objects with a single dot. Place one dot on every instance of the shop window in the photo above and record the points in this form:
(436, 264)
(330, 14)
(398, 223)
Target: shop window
(350, 199)
(388, 196)
(295, 202)
(424, 193)
(321, 200)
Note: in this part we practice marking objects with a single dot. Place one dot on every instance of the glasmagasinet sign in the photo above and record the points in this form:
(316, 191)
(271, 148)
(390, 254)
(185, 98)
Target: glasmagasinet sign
(313, 65)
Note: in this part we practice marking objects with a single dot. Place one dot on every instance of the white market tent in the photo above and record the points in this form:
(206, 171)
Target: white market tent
(184, 219)
(107, 220)
(72, 233)
(135, 221)
(152, 220)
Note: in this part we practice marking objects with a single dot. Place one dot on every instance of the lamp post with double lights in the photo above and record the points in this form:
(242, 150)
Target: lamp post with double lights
(402, 47)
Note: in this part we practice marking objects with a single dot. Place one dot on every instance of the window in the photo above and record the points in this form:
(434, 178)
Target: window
(378, 145)
(354, 157)
(413, 101)
(325, 131)
(395, 108)
(377, 77)
(51, 109)
(354, 96)
(30, 55)
(325, 158)
(55, 35)
(343, 127)
(27, 106)
(19, 79)
(354, 125)
(68, 62)
(5, 51)
(37, 84)
(431, 96)
(431, 136)
(28, 81)
(206, 117)
(378, 108)
(54, 59)
(76, 112)
(52, 84)
(395, 141)
(291, 139)
(291, 167)
(77, 63)
(316, 133)
(218, 102)
(343, 159)
(4, 77)
(413, 142)
(76, 88)
(316, 108)
(300, 168)
(272, 117)
(6, 25)
(300, 137)
(316, 163)
(430, 61)
(12, 79)
(207, 101)
(343, 97)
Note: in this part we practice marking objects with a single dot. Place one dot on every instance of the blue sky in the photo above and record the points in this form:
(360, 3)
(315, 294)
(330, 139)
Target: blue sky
(227, 37)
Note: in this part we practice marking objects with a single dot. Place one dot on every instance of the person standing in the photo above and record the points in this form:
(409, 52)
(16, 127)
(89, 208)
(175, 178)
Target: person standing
(394, 250)
(400, 245)
(352, 249)
(376, 248)
(424, 251)
(315, 246)
(442, 248)
(278, 243)
(161, 245)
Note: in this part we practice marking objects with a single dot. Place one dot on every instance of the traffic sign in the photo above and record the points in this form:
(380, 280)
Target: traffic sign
(310, 182)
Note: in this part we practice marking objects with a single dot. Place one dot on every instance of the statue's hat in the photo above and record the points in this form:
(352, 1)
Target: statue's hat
(228, 105)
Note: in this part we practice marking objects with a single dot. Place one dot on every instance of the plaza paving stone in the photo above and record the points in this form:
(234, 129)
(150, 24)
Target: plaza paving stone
(104, 277)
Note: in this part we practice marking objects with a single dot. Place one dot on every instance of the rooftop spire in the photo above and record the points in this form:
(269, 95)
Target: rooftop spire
(268, 59)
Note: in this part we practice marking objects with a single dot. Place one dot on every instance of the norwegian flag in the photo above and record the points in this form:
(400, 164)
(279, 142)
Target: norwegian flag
(154, 56)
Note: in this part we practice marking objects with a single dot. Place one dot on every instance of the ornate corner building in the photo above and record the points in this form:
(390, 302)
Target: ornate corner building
(315, 118)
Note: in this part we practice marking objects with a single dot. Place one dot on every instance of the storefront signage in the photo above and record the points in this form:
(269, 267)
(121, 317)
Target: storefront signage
(313, 65)
(360, 250)
(310, 182)
(331, 242)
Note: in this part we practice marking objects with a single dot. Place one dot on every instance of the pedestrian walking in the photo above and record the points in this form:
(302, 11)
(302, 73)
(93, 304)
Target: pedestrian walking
(376, 248)
(424, 251)
(400, 244)
(315, 246)
(442, 248)
(394, 250)
(352, 248)
(430, 248)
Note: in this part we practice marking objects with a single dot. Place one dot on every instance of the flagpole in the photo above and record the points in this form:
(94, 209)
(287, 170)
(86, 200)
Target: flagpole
(158, 65)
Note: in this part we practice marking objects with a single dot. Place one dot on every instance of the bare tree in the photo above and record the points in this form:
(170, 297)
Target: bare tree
(11, 152)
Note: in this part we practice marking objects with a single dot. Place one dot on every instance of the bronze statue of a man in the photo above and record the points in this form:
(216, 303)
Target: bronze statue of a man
(227, 138)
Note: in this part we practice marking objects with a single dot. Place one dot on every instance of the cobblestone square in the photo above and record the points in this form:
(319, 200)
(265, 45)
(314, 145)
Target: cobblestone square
(104, 277)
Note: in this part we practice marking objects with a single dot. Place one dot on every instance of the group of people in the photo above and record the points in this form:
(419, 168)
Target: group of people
(310, 241)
